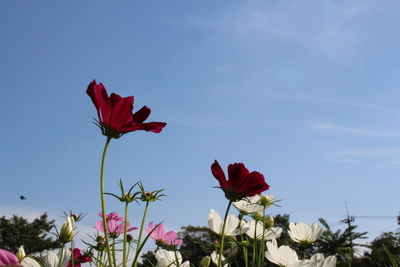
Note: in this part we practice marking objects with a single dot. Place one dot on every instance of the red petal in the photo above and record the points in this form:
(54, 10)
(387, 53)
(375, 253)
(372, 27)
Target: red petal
(219, 175)
(154, 127)
(142, 114)
(255, 184)
(237, 174)
(121, 113)
(99, 96)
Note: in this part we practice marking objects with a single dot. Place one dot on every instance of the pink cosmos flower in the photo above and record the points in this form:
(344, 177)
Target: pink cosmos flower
(166, 238)
(8, 259)
(114, 225)
(112, 216)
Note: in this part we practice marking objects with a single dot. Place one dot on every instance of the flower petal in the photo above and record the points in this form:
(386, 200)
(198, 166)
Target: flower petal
(219, 175)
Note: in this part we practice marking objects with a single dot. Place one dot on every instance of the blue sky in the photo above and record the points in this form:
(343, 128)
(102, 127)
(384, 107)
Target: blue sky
(305, 92)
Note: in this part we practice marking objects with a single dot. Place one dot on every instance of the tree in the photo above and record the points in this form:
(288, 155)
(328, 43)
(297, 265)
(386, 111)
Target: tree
(197, 243)
(17, 231)
(339, 243)
(387, 242)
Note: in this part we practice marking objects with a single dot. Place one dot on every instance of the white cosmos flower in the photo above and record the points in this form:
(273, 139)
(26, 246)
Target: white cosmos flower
(52, 259)
(215, 257)
(249, 205)
(231, 227)
(304, 233)
(282, 256)
(318, 260)
(29, 262)
(166, 258)
(256, 228)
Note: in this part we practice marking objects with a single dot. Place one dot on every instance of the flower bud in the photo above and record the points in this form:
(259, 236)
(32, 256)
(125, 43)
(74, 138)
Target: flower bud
(148, 196)
(100, 238)
(75, 217)
(67, 230)
(129, 238)
(257, 216)
(205, 261)
(267, 200)
(20, 253)
(269, 222)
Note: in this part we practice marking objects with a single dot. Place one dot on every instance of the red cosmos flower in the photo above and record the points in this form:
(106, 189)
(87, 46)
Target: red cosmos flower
(115, 113)
(241, 183)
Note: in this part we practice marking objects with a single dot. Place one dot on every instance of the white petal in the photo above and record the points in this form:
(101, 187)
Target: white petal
(51, 259)
(232, 222)
(330, 262)
(214, 222)
(29, 262)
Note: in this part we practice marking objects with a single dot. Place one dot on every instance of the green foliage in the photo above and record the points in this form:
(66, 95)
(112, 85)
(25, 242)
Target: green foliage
(197, 243)
(17, 231)
(385, 251)
(148, 260)
(339, 243)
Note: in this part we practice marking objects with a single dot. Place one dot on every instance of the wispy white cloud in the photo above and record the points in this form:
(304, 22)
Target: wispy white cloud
(344, 102)
(325, 25)
(371, 151)
(377, 158)
(340, 129)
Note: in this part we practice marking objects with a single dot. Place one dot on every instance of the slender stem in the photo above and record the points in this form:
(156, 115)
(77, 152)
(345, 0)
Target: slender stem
(124, 253)
(262, 241)
(177, 259)
(241, 240)
(98, 258)
(72, 254)
(129, 249)
(245, 256)
(254, 244)
(141, 230)
(221, 249)
(103, 202)
(101, 258)
(61, 256)
(113, 252)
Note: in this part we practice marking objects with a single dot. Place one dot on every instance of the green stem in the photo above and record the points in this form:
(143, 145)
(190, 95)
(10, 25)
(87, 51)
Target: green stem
(141, 231)
(124, 253)
(101, 258)
(221, 249)
(61, 256)
(103, 202)
(176, 259)
(98, 258)
(72, 253)
(241, 240)
(261, 258)
(245, 256)
(113, 252)
(254, 244)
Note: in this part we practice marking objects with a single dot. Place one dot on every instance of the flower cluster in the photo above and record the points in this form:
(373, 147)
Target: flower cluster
(251, 232)
(115, 225)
